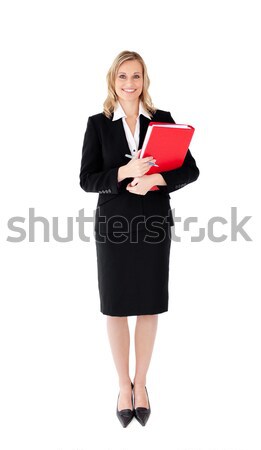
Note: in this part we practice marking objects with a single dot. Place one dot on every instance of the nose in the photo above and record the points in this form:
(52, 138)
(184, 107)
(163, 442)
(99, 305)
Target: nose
(130, 81)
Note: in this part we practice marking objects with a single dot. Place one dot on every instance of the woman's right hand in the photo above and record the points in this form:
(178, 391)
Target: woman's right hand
(137, 167)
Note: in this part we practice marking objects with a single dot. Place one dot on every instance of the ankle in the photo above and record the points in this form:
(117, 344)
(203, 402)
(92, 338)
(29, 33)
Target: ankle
(139, 382)
(125, 383)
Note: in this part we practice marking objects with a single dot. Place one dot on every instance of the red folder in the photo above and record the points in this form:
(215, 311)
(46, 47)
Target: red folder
(168, 143)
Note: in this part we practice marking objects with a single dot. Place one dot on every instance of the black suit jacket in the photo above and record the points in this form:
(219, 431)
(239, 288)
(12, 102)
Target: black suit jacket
(104, 147)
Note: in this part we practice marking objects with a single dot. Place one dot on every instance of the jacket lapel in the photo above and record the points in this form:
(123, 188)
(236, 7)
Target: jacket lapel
(119, 137)
(144, 123)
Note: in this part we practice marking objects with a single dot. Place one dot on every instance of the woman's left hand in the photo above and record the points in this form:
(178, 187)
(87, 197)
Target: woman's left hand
(140, 185)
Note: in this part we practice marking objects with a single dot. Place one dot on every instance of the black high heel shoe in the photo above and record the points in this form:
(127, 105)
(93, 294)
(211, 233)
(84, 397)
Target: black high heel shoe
(142, 414)
(125, 416)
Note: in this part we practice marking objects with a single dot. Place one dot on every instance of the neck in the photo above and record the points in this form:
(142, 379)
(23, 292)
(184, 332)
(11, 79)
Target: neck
(131, 109)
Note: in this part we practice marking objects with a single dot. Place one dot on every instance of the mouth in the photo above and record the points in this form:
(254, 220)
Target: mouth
(129, 91)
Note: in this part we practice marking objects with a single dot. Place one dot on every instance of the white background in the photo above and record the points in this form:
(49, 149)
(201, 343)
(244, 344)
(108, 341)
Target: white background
(58, 383)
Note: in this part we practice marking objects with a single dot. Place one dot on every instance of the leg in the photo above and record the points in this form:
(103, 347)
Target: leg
(145, 333)
(119, 338)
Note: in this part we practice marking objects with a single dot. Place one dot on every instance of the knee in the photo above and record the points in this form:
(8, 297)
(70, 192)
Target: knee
(147, 318)
(117, 319)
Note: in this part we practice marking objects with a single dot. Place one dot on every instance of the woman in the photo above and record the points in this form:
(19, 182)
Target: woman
(132, 263)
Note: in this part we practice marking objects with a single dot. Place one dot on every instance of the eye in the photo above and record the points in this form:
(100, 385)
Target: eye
(136, 76)
(122, 76)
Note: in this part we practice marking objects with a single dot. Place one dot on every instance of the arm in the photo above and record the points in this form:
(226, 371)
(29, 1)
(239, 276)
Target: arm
(178, 178)
(92, 177)
(157, 180)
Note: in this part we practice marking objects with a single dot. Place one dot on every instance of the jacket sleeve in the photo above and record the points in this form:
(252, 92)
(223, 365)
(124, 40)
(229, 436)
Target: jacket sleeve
(92, 176)
(178, 178)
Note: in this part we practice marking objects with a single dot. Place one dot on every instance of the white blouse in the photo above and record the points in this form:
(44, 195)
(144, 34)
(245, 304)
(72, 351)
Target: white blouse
(133, 141)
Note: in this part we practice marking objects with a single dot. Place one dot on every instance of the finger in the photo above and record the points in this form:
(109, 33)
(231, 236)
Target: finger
(137, 154)
(148, 158)
(151, 161)
(131, 188)
(134, 182)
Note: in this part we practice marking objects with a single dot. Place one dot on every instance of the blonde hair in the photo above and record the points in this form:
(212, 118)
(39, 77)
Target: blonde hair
(111, 100)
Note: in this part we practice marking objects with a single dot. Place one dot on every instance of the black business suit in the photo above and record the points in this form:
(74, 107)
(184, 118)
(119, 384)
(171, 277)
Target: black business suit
(132, 277)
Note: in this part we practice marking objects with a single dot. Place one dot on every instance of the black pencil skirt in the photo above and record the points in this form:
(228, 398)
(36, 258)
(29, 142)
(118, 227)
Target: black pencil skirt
(133, 272)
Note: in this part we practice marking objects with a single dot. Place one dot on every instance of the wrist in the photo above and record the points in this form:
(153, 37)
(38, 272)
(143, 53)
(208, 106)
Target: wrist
(121, 174)
(157, 179)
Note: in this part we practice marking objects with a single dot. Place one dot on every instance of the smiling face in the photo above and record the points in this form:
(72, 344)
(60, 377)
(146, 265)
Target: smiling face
(129, 81)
